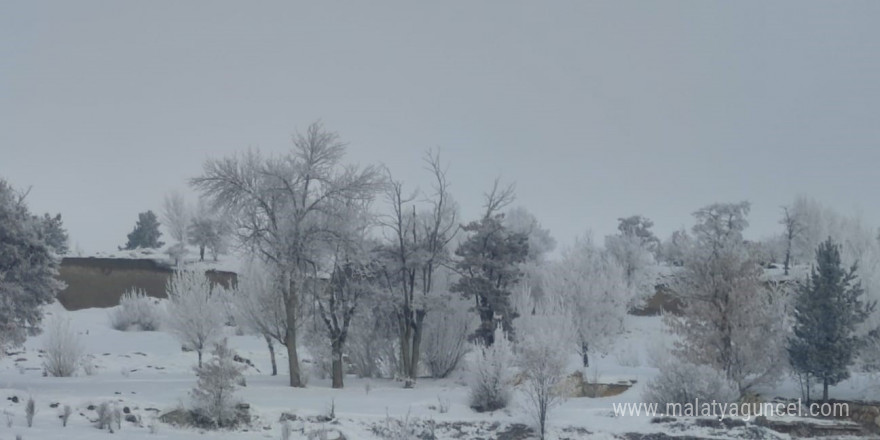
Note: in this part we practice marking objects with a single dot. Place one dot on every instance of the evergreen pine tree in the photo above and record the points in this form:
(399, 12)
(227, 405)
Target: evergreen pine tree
(145, 233)
(214, 394)
(28, 269)
(828, 308)
(489, 265)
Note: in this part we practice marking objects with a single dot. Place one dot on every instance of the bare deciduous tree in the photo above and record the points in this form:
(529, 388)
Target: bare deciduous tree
(281, 205)
(793, 229)
(195, 316)
(258, 307)
(417, 245)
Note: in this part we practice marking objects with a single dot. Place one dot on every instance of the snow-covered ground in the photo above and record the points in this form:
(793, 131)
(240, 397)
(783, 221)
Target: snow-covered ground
(148, 373)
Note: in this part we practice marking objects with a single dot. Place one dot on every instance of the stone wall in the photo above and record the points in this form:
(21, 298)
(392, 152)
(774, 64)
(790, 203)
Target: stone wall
(99, 282)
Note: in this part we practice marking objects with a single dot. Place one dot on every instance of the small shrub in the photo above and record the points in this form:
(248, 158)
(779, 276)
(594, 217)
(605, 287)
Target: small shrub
(442, 405)
(65, 415)
(88, 365)
(286, 430)
(214, 394)
(105, 416)
(136, 311)
(153, 425)
(63, 349)
(682, 382)
(490, 379)
(117, 417)
(445, 340)
(397, 428)
(29, 410)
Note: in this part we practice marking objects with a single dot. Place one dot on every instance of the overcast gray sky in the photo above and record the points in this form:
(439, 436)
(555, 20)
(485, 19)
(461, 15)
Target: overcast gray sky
(596, 109)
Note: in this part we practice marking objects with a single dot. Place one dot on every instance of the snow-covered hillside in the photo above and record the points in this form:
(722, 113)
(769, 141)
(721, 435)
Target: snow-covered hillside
(147, 374)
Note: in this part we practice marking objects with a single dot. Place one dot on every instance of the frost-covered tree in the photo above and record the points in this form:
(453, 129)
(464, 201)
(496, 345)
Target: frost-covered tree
(195, 314)
(54, 234)
(281, 205)
(209, 231)
(521, 220)
(489, 265)
(214, 394)
(730, 320)
(28, 269)
(591, 290)
(446, 337)
(640, 227)
(176, 215)
(352, 278)
(258, 308)
(542, 358)
(145, 233)
(634, 248)
(417, 245)
(674, 249)
(828, 310)
(793, 229)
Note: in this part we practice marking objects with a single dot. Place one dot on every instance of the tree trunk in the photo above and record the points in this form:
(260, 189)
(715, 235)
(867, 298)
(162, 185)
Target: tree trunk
(199, 351)
(336, 365)
(290, 335)
(585, 356)
(825, 389)
(487, 326)
(405, 331)
(272, 354)
(293, 359)
(201, 253)
(787, 257)
(416, 346)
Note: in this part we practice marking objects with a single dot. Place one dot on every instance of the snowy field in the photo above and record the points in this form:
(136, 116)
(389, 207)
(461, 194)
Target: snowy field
(147, 373)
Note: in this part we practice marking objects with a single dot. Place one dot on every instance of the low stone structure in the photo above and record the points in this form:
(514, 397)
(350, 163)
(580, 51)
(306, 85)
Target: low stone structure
(100, 282)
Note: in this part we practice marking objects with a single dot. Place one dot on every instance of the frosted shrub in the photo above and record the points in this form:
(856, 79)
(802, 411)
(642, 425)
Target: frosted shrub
(29, 410)
(105, 416)
(682, 382)
(445, 340)
(137, 312)
(63, 349)
(543, 359)
(490, 375)
(214, 394)
(65, 415)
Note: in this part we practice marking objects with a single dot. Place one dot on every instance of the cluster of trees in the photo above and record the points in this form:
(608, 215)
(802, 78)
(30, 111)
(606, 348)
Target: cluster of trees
(197, 226)
(327, 261)
(750, 327)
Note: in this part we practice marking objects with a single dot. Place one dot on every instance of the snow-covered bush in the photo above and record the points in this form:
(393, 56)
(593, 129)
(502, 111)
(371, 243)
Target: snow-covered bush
(374, 349)
(105, 416)
(445, 339)
(214, 394)
(490, 374)
(63, 349)
(29, 410)
(137, 312)
(65, 415)
(315, 342)
(682, 382)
